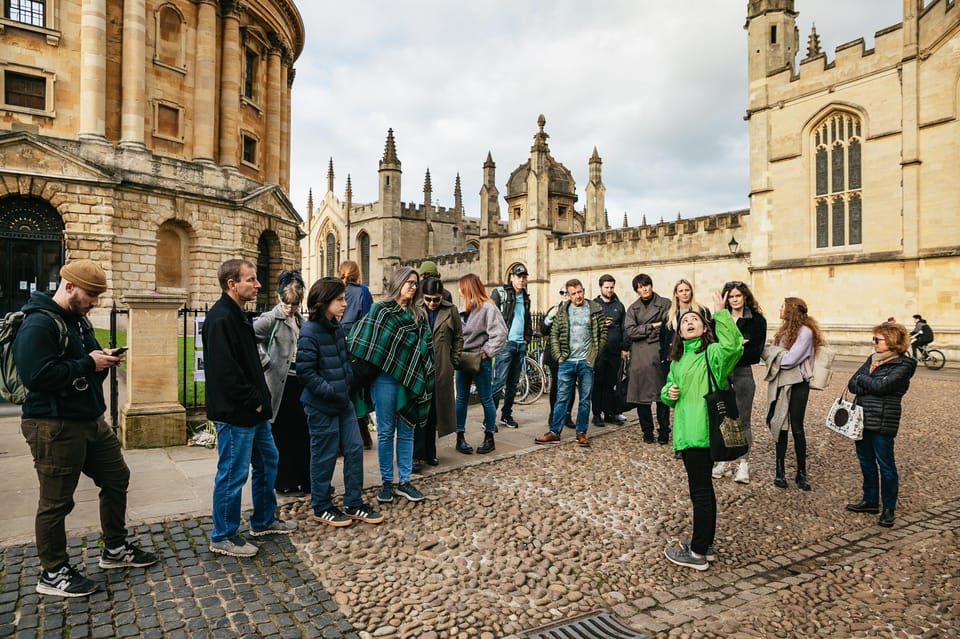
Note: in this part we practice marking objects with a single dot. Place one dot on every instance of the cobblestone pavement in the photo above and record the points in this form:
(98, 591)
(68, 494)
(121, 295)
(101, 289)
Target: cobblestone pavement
(553, 532)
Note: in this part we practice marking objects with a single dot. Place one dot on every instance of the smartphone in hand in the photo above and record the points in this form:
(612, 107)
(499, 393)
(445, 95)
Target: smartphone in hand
(117, 352)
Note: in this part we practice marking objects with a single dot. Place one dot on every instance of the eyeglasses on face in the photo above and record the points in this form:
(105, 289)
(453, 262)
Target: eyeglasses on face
(413, 283)
(877, 340)
(432, 299)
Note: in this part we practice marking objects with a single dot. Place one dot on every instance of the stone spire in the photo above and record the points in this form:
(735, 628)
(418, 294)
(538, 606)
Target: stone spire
(309, 205)
(390, 151)
(457, 196)
(348, 198)
(813, 43)
(330, 176)
(625, 223)
(427, 188)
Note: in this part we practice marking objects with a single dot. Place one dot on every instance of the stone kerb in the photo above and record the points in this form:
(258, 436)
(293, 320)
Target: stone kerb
(151, 415)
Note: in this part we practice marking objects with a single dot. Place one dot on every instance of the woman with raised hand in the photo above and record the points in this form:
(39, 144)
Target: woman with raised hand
(447, 344)
(880, 384)
(484, 331)
(695, 348)
(789, 366)
(395, 337)
(277, 333)
(751, 323)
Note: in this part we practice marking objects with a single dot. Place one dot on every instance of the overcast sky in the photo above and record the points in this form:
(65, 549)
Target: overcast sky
(659, 88)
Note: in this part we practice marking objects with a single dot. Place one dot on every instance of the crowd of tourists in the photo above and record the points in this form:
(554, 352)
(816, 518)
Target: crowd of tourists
(301, 387)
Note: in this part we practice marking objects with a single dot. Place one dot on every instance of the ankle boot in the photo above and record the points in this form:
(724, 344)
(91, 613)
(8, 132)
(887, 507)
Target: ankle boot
(800, 446)
(780, 481)
(487, 445)
(802, 480)
(462, 445)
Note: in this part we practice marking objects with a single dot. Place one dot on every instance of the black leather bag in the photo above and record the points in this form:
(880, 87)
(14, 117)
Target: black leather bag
(620, 387)
(470, 362)
(363, 373)
(728, 439)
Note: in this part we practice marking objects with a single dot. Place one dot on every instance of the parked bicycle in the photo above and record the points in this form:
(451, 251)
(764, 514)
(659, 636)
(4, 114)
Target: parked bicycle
(533, 381)
(931, 357)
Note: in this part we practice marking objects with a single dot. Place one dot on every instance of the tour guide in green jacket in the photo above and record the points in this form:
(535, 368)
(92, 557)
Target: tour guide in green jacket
(693, 347)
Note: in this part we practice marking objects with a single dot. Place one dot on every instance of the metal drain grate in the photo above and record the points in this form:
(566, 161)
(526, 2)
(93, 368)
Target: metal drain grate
(599, 625)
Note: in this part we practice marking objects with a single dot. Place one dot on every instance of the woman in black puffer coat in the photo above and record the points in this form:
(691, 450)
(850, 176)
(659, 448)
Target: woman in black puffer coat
(880, 385)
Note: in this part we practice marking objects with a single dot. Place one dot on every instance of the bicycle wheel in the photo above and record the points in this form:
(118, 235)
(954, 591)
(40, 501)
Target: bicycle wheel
(934, 360)
(535, 381)
(523, 389)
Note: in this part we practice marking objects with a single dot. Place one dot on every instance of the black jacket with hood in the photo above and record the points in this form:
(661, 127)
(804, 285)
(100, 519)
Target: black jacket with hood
(505, 298)
(881, 392)
(53, 380)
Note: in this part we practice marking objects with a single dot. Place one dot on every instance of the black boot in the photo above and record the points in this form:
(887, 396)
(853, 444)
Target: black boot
(800, 446)
(780, 481)
(487, 445)
(886, 518)
(463, 446)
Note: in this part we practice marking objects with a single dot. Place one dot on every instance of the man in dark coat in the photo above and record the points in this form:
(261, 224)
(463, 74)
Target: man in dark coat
(642, 326)
(63, 367)
(238, 403)
(607, 368)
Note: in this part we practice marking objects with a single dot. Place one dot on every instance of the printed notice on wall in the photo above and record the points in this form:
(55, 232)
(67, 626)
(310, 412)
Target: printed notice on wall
(198, 374)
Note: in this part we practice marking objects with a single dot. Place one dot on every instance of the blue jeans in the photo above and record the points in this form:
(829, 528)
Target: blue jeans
(570, 373)
(329, 436)
(483, 382)
(876, 450)
(238, 448)
(509, 364)
(384, 393)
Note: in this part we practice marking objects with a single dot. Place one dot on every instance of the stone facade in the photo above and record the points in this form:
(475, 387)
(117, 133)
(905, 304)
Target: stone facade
(151, 136)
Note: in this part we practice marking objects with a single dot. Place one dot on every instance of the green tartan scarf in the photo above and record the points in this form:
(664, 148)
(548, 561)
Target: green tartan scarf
(389, 338)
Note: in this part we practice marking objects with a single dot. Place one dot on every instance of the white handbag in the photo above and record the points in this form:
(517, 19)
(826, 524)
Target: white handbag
(846, 418)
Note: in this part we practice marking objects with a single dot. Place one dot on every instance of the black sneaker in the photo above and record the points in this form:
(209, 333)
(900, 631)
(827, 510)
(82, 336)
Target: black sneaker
(332, 517)
(385, 496)
(363, 513)
(509, 422)
(409, 491)
(598, 421)
(129, 556)
(65, 582)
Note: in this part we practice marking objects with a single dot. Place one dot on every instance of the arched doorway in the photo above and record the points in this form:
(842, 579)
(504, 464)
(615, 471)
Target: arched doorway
(31, 249)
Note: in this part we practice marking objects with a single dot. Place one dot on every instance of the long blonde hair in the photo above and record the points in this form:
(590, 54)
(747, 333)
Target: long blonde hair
(675, 305)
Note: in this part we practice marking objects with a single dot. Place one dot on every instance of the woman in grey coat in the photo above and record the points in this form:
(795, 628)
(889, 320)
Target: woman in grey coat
(277, 332)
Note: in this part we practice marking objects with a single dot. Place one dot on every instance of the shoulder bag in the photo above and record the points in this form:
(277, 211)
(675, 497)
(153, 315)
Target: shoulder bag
(470, 362)
(728, 439)
(846, 418)
(822, 368)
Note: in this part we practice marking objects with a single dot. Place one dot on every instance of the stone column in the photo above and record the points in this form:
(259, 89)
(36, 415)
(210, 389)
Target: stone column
(204, 99)
(230, 85)
(286, 81)
(93, 69)
(274, 109)
(151, 415)
(133, 74)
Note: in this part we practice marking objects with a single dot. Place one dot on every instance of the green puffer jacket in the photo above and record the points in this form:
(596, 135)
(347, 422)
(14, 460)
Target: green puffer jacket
(691, 429)
(560, 332)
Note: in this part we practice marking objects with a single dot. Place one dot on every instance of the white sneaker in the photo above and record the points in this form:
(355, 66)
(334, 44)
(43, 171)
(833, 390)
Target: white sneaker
(743, 473)
(719, 469)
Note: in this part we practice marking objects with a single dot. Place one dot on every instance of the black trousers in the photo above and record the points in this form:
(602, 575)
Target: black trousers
(425, 439)
(292, 437)
(699, 465)
(605, 373)
(645, 413)
(799, 394)
(62, 449)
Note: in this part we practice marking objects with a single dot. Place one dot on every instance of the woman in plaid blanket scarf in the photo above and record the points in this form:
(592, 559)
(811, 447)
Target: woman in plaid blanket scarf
(395, 337)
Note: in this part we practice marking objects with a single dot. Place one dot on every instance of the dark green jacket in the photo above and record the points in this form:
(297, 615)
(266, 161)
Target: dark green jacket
(560, 332)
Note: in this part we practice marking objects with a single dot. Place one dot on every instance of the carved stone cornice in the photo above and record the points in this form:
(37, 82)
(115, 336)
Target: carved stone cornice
(231, 8)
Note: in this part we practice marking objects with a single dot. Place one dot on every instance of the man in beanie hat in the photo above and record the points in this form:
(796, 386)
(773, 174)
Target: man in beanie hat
(428, 268)
(63, 423)
(240, 406)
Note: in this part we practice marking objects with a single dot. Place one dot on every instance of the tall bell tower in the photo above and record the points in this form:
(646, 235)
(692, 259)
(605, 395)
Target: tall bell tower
(772, 43)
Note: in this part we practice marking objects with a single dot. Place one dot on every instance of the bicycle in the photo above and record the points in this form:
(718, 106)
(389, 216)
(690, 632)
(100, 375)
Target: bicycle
(532, 383)
(931, 358)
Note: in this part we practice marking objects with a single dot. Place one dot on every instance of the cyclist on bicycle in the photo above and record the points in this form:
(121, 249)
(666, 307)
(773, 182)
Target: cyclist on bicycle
(921, 335)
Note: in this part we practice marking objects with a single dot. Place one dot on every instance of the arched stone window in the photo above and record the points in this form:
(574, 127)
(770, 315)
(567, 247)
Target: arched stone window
(268, 253)
(363, 245)
(330, 255)
(173, 256)
(169, 37)
(838, 198)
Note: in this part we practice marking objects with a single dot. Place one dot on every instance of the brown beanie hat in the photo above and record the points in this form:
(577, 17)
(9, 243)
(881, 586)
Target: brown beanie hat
(86, 274)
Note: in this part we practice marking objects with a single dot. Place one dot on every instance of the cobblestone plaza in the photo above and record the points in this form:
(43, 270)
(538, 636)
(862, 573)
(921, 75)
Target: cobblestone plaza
(537, 536)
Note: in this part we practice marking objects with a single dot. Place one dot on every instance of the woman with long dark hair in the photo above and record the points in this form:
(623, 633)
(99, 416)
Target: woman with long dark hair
(880, 384)
(789, 368)
(447, 332)
(277, 333)
(746, 312)
(323, 366)
(395, 337)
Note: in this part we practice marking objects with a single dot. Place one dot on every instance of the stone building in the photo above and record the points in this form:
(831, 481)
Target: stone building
(150, 135)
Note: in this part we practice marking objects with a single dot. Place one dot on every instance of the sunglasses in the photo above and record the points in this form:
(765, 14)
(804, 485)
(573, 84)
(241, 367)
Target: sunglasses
(431, 299)
(877, 340)
(734, 284)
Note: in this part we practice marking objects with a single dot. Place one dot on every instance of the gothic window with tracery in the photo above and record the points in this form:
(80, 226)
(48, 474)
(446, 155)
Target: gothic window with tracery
(330, 268)
(364, 242)
(837, 200)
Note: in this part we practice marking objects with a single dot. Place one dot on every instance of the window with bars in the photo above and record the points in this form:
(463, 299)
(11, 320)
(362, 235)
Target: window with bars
(364, 242)
(25, 91)
(837, 200)
(331, 261)
(32, 12)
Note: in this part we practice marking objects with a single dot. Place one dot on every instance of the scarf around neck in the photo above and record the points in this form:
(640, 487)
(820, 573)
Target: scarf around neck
(881, 358)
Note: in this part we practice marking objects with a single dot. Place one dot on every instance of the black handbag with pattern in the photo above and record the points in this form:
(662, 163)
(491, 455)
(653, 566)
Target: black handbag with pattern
(728, 439)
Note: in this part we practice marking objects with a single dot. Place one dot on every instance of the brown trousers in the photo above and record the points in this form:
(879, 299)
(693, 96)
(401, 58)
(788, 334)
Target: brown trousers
(62, 449)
